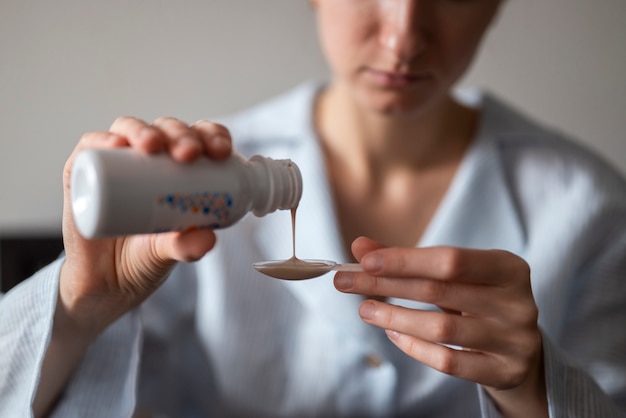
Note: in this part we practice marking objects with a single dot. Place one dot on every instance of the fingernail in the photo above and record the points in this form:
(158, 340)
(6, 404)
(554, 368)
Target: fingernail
(149, 140)
(367, 310)
(146, 133)
(392, 335)
(113, 138)
(188, 142)
(372, 262)
(221, 142)
(344, 281)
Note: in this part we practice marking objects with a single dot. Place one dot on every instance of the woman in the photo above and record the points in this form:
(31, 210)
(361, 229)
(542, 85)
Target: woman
(448, 205)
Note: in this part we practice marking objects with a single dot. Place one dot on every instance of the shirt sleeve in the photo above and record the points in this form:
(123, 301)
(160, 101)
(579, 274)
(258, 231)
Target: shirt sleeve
(585, 366)
(586, 361)
(25, 329)
(571, 392)
(487, 406)
(104, 383)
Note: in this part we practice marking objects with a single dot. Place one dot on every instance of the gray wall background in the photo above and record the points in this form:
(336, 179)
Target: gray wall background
(71, 66)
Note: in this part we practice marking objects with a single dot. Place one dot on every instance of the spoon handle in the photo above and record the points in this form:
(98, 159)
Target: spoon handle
(356, 267)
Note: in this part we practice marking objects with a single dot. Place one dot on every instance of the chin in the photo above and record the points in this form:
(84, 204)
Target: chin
(393, 103)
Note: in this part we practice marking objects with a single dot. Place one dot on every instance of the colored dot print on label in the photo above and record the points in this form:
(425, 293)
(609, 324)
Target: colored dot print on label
(217, 205)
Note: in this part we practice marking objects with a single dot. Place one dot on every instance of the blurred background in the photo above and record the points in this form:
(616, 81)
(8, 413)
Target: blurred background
(71, 66)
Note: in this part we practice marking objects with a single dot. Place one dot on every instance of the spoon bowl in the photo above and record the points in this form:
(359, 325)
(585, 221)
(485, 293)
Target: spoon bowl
(296, 269)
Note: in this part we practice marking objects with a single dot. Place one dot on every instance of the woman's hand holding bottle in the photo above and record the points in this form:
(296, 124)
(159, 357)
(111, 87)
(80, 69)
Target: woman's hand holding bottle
(104, 278)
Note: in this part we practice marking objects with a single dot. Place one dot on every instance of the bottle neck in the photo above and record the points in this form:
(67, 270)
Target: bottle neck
(277, 185)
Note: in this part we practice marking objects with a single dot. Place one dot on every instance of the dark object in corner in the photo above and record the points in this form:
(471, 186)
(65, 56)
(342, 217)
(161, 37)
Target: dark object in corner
(20, 257)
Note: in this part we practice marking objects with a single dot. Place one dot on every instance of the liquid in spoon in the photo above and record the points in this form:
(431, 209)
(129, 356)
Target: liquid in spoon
(294, 268)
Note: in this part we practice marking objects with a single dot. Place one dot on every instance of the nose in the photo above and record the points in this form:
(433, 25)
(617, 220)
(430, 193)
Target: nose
(401, 31)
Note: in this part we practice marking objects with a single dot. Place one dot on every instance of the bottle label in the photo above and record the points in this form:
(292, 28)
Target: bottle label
(189, 210)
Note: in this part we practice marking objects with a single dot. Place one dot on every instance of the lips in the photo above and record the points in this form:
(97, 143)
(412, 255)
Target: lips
(394, 79)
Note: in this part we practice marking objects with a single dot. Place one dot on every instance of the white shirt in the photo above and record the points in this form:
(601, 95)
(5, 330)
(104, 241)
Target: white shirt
(219, 339)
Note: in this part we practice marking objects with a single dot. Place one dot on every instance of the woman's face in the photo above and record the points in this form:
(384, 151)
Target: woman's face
(395, 56)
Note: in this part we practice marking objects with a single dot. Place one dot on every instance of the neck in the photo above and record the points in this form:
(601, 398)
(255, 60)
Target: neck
(367, 141)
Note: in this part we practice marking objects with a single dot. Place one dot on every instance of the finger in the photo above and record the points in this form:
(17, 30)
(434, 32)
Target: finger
(501, 372)
(454, 296)
(183, 143)
(139, 134)
(185, 246)
(463, 331)
(101, 140)
(92, 140)
(364, 245)
(491, 267)
(216, 138)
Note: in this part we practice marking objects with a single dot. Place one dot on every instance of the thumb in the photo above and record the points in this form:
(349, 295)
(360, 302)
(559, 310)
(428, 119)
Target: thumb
(185, 246)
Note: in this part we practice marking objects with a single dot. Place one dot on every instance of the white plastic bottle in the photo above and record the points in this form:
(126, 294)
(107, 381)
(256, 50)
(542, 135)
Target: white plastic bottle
(123, 192)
